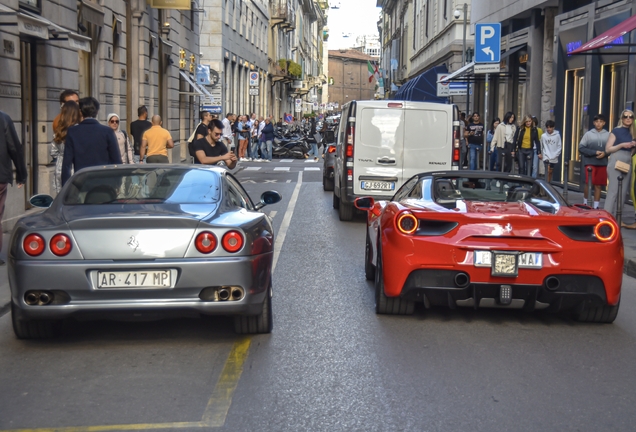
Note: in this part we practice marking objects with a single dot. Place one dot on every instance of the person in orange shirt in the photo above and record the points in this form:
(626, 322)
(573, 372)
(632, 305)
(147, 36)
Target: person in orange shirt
(155, 143)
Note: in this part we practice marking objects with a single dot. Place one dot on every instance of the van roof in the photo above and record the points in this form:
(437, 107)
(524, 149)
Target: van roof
(404, 104)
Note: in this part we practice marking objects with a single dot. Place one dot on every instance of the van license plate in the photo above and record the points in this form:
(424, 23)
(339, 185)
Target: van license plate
(378, 185)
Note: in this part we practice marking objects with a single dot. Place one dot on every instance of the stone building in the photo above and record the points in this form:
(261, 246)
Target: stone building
(123, 53)
(350, 74)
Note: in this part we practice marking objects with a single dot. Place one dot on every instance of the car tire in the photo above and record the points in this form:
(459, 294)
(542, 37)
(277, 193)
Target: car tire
(33, 329)
(336, 202)
(369, 268)
(256, 324)
(345, 211)
(605, 314)
(388, 305)
(327, 184)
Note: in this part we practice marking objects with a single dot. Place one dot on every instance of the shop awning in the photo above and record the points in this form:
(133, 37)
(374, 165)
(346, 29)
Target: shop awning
(512, 51)
(38, 25)
(465, 70)
(609, 37)
(201, 90)
(422, 88)
(92, 12)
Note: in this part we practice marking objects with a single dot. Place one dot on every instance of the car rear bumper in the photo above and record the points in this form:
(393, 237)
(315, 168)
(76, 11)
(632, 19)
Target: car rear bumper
(77, 294)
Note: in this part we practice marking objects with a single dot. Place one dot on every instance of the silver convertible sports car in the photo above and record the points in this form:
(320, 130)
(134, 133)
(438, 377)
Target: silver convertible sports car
(143, 241)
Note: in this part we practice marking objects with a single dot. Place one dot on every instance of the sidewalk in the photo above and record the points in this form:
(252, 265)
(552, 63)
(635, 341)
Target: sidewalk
(629, 242)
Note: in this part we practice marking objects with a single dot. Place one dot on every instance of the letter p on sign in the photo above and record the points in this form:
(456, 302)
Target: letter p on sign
(486, 33)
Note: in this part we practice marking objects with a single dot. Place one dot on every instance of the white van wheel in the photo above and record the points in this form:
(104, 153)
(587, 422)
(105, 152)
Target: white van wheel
(345, 211)
(336, 201)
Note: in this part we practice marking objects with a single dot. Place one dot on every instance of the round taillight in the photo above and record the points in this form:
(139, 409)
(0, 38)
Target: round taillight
(33, 244)
(60, 244)
(407, 223)
(205, 242)
(605, 231)
(233, 241)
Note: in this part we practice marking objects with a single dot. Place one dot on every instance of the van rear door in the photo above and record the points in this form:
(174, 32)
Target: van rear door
(378, 152)
(428, 143)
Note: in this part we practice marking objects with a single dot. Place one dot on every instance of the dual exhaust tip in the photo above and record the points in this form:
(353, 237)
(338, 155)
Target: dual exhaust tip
(38, 298)
(222, 294)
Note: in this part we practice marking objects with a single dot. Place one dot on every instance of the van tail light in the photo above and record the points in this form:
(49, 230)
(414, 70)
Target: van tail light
(33, 244)
(60, 245)
(232, 241)
(406, 223)
(349, 175)
(205, 242)
(456, 144)
(605, 231)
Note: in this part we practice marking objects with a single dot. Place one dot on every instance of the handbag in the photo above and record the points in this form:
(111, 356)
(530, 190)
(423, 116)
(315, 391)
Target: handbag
(622, 167)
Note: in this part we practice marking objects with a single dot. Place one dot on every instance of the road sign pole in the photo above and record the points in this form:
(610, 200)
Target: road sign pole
(486, 120)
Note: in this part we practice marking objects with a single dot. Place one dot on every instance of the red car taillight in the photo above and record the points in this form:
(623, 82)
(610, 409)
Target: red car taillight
(605, 231)
(406, 223)
(60, 245)
(233, 241)
(205, 242)
(33, 244)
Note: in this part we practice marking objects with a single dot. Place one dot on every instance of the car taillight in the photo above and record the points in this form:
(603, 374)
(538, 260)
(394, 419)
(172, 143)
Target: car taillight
(205, 242)
(331, 149)
(605, 231)
(233, 241)
(456, 143)
(349, 175)
(60, 245)
(406, 223)
(33, 244)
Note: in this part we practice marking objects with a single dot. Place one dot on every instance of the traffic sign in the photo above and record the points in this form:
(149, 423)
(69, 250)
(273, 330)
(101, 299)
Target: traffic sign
(488, 43)
(442, 88)
(253, 79)
(253, 91)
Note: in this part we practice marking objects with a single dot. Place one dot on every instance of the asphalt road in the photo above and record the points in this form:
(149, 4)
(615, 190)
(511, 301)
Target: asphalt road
(331, 364)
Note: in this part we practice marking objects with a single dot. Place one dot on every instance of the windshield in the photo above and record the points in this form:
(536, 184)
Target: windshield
(448, 190)
(144, 186)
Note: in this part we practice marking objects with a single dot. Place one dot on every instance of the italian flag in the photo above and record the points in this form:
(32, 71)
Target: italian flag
(371, 70)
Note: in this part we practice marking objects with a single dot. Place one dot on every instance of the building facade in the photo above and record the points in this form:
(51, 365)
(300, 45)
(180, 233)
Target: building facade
(123, 53)
(349, 72)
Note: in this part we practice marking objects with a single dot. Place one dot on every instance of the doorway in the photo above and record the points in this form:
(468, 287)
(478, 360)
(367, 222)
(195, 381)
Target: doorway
(613, 92)
(29, 116)
(573, 121)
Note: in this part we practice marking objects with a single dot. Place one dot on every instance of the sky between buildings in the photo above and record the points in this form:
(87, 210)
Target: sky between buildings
(352, 18)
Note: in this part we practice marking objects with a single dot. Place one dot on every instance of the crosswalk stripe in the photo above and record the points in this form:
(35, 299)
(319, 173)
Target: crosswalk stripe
(286, 160)
(252, 168)
(281, 169)
(312, 169)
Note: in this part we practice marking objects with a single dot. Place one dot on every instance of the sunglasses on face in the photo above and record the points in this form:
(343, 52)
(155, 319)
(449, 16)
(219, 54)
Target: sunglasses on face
(217, 134)
(115, 121)
(628, 116)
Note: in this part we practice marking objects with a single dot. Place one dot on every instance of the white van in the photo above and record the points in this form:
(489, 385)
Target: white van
(381, 144)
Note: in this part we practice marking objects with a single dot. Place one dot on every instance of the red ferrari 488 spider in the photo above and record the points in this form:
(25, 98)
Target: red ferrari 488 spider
(480, 239)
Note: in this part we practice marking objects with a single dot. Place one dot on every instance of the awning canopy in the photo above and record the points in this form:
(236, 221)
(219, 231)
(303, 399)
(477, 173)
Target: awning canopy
(422, 88)
(465, 70)
(609, 37)
(35, 25)
(201, 90)
(512, 51)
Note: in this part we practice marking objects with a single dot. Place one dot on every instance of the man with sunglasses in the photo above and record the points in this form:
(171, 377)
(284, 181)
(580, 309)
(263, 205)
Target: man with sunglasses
(210, 150)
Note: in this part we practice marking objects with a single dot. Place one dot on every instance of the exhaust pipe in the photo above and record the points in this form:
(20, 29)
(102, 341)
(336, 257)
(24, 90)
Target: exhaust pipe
(552, 283)
(31, 298)
(237, 293)
(224, 294)
(45, 298)
(462, 280)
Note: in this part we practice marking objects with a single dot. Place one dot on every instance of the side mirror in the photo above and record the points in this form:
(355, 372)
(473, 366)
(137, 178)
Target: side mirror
(267, 198)
(364, 203)
(41, 200)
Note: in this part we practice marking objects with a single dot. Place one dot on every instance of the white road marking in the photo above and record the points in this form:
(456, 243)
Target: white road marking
(288, 181)
(272, 213)
(286, 160)
(248, 181)
(269, 181)
(282, 232)
(281, 169)
(312, 169)
(310, 161)
(252, 168)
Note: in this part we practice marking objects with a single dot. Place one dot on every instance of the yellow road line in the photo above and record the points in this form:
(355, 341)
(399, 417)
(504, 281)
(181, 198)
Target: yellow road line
(215, 411)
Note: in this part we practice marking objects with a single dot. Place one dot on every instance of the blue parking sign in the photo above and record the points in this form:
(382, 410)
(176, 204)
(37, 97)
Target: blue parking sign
(488, 43)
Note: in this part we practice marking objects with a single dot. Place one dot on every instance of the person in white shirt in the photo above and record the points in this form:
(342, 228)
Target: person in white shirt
(228, 136)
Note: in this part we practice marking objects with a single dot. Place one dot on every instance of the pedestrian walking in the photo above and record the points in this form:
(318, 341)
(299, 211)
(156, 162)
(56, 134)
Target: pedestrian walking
(492, 151)
(243, 129)
(620, 148)
(156, 142)
(551, 147)
(211, 150)
(228, 135)
(89, 143)
(536, 166)
(503, 141)
(65, 96)
(69, 116)
(312, 139)
(10, 152)
(137, 129)
(253, 147)
(592, 147)
(475, 137)
(125, 148)
(201, 131)
(267, 138)
(526, 142)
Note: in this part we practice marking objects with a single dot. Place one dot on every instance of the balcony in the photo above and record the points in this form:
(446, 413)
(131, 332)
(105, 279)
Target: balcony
(283, 14)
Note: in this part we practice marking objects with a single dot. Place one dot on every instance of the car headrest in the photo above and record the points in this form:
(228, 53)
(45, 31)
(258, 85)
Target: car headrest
(100, 194)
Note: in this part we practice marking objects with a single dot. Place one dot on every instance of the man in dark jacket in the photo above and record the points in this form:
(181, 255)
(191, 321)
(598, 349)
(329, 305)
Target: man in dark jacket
(89, 143)
(10, 151)
(267, 139)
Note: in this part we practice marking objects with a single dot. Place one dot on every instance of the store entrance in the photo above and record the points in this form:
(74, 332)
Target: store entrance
(613, 92)
(573, 122)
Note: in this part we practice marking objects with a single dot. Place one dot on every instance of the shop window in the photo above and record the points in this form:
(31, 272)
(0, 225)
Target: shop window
(570, 5)
(573, 120)
(613, 92)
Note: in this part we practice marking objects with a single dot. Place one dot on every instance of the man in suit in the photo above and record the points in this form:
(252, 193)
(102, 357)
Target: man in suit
(10, 150)
(89, 143)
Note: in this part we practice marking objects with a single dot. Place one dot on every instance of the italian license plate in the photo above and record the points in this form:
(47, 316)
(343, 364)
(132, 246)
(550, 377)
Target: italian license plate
(378, 185)
(530, 260)
(135, 279)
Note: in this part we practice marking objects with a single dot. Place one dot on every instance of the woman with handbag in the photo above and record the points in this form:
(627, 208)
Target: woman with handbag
(503, 142)
(619, 147)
